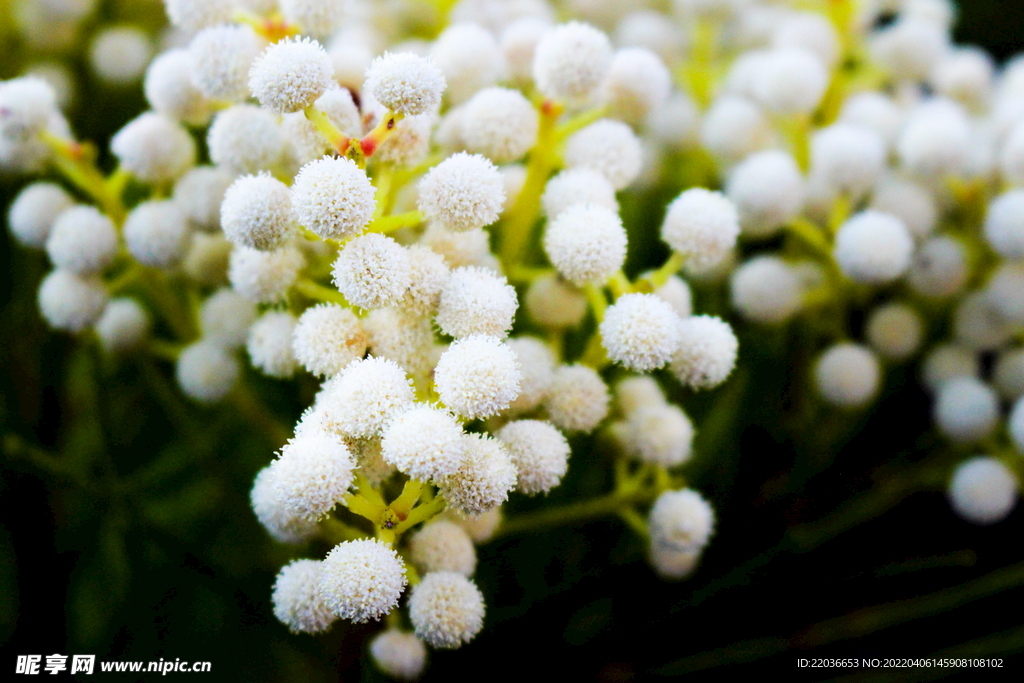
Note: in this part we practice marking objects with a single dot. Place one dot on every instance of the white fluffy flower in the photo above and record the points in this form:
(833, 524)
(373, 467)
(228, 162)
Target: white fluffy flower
(768, 190)
(308, 143)
(475, 301)
(82, 241)
(245, 139)
(428, 274)
(270, 344)
(577, 398)
(312, 474)
(463, 192)
(677, 293)
(365, 397)
(707, 352)
(362, 580)
(539, 452)
(638, 82)
(983, 490)
(154, 149)
(966, 409)
(477, 376)
(264, 276)
(296, 598)
(206, 372)
(571, 61)
(222, 56)
(34, 211)
(553, 303)
(225, 318)
(873, 247)
(446, 610)
(939, 268)
(406, 83)
(200, 194)
(333, 198)
(847, 158)
(408, 340)
(257, 212)
(484, 479)
(936, 140)
(291, 74)
(123, 326)
(702, 225)
(577, 186)
(946, 361)
(733, 128)
(170, 90)
(398, 654)
(640, 331)
(536, 364)
(425, 443)
(681, 520)
(71, 302)
(372, 271)
(910, 47)
(193, 15)
(327, 338)
(586, 243)
(1004, 224)
(791, 80)
(910, 202)
(766, 289)
(847, 375)
(157, 233)
(499, 123)
(469, 58)
(895, 331)
(660, 433)
(316, 17)
(281, 524)
(608, 147)
(443, 546)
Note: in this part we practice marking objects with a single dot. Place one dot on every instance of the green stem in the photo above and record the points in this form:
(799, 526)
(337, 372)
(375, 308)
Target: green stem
(421, 513)
(335, 531)
(325, 127)
(574, 513)
(318, 292)
(386, 224)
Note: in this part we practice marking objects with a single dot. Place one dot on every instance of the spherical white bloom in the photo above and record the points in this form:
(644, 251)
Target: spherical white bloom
(245, 139)
(939, 268)
(368, 456)
(446, 610)
(291, 74)
(677, 293)
(908, 201)
(60, 79)
(873, 247)
(206, 261)
(206, 372)
(681, 520)
(1005, 291)
(443, 546)
(571, 61)
(586, 243)
(847, 158)
(200, 193)
(895, 331)
(707, 352)
(766, 289)
(315, 17)
(406, 83)
(157, 233)
(660, 433)
(170, 90)
(458, 248)
(536, 363)
(362, 580)
(768, 191)
(428, 275)
(1011, 161)
(82, 241)
(281, 524)
(270, 344)
(539, 452)
(154, 149)
(909, 48)
(425, 443)
(946, 361)
(654, 31)
(119, 54)
(475, 301)
(577, 399)
(327, 338)
(638, 82)
(365, 397)
(518, 42)
(462, 193)
(312, 474)
(1004, 224)
(225, 318)
(577, 186)
(966, 409)
(701, 225)
(405, 339)
(636, 392)
(791, 80)
(966, 75)
(480, 528)
(979, 324)
(372, 271)
(500, 124)
(608, 147)
(123, 326)
(811, 31)
(470, 59)
(734, 128)
(71, 302)
(1008, 374)
(553, 303)
(477, 376)
(671, 564)
(484, 479)
(193, 15)
(398, 654)
(34, 211)
(983, 490)
(333, 197)
(409, 142)
(847, 375)
(675, 123)
(264, 276)
(222, 56)
(874, 110)
(296, 598)
(28, 106)
(640, 331)
(309, 144)
(936, 140)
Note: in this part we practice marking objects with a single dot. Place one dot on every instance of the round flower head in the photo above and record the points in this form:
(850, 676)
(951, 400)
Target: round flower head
(768, 191)
(82, 241)
(206, 261)
(157, 233)
(484, 479)
(707, 352)
(315, 17)
(577, 398)
(1008, 374)
(608, 147)
(895, 331)
(766, 289)
(733, 128)
(552, 303)
(966, 409)
(909, 48)
(677, 293)
(847, 375)
(939, 268)
(791, 80)
(362, 580)
(206, 372)
(475, 301)
(478, 376)
(536, 363)
(245, 139)
(425, 443)
(264, 276)
(446, 610)
(518, 42)
(539, 452)
(123, 326)
(443, 546)
(290, 75)
(34, 211)
(936, 140)
(500, 124)
(193, 15)
(119, 55)
(660, 433)
(480, 528)
(308, 143)
(873, 247)
(908, 201)
(372, 271)
(170, 91)
(983, 490)
(71, 302)
(640, 331)
(400, 655)
(363, 400)
(586, 243)
(406, 83)
(1011, 162)
(470, 59)
(327, 338)
(200, 193)
(281, 524)
(225, 318)
(577, 186)
(154, 149)
(428, 274)
(847, 158)
(681, 520)
(701, 225)
(571, 61)
(946, 361)
(671, 564)
(296, 598)
(407, 340)
(471, 248)
(978, 324)
(409, 142)
(965, 75)
(313, 473)
(463, 192)
(637, 83)
(676, 123)
(222, 56)
(1005, 292)
(333, 198)
(270, 344)
(1004, 224)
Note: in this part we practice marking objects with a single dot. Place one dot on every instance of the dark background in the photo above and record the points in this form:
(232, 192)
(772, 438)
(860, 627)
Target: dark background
(834, 539)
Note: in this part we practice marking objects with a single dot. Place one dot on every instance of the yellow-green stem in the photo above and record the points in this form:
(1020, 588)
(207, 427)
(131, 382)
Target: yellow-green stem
(318, 292)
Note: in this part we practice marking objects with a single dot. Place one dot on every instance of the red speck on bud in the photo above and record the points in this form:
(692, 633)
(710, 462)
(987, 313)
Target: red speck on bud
(368, 145)
(391, 124)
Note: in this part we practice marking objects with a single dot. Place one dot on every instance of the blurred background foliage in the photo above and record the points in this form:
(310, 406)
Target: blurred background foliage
(126, 531)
